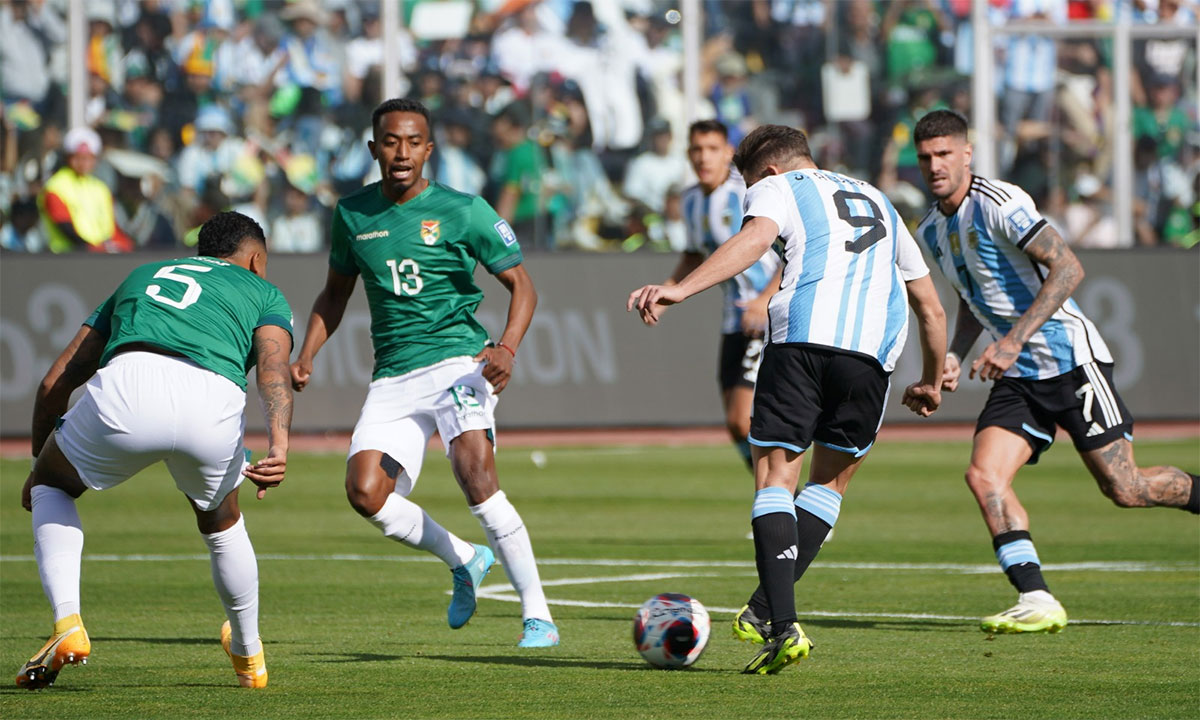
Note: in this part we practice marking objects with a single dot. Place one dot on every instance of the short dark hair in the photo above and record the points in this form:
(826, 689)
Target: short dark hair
(222, 234)
(400, 105)
(770, 145)
(940, 123)
(708, 126)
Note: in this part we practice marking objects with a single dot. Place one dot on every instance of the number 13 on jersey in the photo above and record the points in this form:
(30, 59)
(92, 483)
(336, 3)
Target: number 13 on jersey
(406, 277)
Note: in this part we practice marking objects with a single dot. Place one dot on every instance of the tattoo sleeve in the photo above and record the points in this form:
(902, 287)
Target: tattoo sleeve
(273, 346)
(1049, 250)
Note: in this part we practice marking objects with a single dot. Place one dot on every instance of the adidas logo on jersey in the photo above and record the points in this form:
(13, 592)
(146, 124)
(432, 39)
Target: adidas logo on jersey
(789, 554)
(371, 235)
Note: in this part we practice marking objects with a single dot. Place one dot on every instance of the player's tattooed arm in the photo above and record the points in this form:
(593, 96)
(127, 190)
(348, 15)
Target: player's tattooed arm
(272, 346)
(1048, 250)
(1051, 251)
(78, 362)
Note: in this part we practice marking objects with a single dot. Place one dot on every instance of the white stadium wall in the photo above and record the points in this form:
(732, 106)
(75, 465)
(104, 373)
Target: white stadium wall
(586, 362)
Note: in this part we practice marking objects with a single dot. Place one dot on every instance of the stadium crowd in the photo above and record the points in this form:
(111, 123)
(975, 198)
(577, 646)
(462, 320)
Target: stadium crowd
(567, 115)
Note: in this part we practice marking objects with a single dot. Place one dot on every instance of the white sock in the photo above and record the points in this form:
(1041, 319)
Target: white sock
(404, 521)
(58, 547)
(509, 538)
(235, 575)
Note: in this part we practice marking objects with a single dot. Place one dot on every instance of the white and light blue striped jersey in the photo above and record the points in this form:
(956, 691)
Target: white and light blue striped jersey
(846, 259)
(711, 220)
(980, 248)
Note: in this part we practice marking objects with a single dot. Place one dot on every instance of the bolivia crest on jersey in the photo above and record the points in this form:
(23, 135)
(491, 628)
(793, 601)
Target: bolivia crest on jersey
(430, 231)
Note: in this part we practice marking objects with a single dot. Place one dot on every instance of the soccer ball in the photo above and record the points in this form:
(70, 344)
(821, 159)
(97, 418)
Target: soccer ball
(670, 630)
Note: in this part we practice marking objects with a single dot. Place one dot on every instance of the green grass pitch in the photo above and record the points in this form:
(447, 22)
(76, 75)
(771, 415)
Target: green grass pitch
(354, 625)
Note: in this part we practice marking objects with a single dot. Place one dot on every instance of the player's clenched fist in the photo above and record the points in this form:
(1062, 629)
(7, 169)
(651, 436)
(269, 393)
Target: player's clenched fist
(301, 372)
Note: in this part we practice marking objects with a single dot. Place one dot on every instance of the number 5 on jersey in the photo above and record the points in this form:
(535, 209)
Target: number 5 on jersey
(406, 277)
(190, 295)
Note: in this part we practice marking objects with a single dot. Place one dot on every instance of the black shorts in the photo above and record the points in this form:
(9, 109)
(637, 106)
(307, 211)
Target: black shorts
(811, 393)
(740, 357)
(1082, 401)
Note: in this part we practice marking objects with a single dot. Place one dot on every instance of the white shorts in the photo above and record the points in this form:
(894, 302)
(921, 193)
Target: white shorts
(143, 407)
(401, 413)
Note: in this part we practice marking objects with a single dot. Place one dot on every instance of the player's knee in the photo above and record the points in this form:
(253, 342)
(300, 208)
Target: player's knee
(1123, 492)
(981, 479)
(365, 494)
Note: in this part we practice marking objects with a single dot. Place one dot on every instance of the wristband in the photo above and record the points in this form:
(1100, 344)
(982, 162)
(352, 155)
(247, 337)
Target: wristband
(951, 353)
(510, 350)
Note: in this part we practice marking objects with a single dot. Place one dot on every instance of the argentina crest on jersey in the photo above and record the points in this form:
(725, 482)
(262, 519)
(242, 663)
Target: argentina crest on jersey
(431, 230)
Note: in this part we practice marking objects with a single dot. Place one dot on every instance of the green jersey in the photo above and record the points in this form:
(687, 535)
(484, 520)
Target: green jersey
(203, 308)
(417, 261)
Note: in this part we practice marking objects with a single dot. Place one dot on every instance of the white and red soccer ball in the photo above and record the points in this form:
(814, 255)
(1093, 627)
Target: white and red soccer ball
(671, 630)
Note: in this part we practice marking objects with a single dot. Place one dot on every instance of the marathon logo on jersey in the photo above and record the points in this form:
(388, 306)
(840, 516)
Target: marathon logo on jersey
(1020, 220)
(506, 233)
(431, 230)
(371, 235)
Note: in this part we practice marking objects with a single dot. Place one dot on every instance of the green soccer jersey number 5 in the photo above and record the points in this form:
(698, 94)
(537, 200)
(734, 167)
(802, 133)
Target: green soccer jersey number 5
(193, 289)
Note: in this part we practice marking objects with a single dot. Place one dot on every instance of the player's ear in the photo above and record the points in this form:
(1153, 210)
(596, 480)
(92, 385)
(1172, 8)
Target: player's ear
(968, 152)
(371, 149)
(258, 261)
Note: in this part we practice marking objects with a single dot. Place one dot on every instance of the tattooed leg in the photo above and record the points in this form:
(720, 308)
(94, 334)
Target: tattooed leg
(996, 457)
(1128, 485)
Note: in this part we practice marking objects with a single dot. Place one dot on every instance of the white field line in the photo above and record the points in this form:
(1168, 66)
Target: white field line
(963, 568)
(505, 592)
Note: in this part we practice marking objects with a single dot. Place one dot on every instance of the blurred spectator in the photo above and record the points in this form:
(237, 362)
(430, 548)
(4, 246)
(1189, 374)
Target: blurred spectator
(313, 63)
(1089, 219)
(137, 177)
(846, 87)
(212, 153)
(455, 166)
(366, 52)
(602, 64)
(258, 60)
(517, 170)
(1030, 71)
(27, 31)
(21, 231)
(730, 98)
(588, 212)
(1163, 120)
(147, 48)
(651, 173)
(910, 30)
(1149, 203)
(521, 47)
(797, 28)
(77, 209)
(1162, 56)
(298, 229)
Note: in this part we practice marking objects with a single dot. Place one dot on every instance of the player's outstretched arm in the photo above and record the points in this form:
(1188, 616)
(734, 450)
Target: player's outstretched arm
(500, 357)
(1064, 274)
(327, 312)
(925, 396)
(78, 362)
(966, 331)
(272, 348)
(738, 253)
